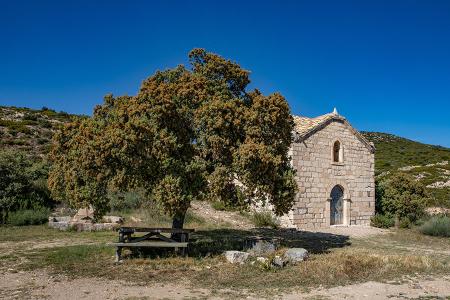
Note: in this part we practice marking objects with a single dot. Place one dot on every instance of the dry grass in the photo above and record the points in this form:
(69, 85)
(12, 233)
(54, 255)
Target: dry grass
(335, 260)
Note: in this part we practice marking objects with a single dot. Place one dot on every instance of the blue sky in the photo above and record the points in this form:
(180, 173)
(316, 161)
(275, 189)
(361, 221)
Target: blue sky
(385, 65)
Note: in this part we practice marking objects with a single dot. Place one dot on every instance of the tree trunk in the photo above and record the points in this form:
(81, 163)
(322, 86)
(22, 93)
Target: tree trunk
(177, 223)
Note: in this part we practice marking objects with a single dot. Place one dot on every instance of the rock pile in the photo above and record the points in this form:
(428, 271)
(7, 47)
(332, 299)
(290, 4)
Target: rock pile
(264, 253)
(84, 221)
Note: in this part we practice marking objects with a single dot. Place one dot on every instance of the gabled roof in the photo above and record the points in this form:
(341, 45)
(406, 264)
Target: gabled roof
(305, 127)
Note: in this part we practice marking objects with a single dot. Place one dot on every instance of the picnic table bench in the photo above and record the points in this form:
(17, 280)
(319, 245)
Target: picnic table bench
(153, 237)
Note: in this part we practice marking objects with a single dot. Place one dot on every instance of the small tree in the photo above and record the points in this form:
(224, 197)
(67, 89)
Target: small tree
(188, 134)
(21, 183)
(401, 196)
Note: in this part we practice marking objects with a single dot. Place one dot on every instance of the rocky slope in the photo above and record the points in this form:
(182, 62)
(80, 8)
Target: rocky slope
(29, 130)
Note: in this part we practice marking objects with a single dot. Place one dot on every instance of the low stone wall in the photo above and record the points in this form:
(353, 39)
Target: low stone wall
(67, 223)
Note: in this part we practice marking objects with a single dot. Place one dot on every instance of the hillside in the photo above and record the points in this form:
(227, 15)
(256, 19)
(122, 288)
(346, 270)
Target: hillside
(31, 131)
(427, 163)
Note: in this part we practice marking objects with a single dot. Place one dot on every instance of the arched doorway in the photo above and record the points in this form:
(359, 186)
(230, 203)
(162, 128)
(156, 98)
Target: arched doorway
(337, 205)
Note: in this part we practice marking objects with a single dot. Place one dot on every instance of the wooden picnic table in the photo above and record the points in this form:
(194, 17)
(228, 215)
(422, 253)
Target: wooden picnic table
(153, 237)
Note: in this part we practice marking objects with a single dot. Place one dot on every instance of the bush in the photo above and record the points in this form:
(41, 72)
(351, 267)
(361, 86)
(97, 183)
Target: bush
(265, 219)
(29, 217)
(125, 201)
(221, 206)
(405, 223)
(382, 221)
(436, 226)
(402, 196)
(23, 184)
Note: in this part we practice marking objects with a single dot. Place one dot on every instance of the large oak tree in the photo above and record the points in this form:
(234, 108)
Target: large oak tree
(188, 134)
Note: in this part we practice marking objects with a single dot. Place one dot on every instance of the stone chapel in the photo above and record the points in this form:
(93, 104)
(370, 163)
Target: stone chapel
(335, 174)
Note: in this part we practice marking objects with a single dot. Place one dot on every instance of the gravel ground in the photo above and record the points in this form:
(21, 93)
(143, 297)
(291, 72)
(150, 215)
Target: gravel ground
(40, 285)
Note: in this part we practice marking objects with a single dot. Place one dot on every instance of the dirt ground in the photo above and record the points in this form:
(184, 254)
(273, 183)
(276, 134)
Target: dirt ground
(205, 210)
(40, 285)
(17, 283)
(354, 231)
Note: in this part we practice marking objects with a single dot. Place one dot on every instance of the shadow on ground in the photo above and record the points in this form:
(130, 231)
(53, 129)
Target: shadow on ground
(215, 241)
(211, 242)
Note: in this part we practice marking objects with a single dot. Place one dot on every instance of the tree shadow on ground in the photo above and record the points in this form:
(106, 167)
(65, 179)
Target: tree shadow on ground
(215, 241)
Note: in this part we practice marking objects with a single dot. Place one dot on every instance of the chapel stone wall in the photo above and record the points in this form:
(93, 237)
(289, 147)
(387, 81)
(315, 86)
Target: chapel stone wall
(317, 174)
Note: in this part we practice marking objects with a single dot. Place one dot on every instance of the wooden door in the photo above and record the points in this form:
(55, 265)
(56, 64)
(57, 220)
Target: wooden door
(337, 206)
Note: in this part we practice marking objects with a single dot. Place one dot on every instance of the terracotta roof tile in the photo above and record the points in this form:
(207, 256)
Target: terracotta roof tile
(304, 125)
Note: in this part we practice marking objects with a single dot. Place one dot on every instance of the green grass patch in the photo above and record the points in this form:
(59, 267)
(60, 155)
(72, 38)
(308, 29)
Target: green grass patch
(29, 217)
(41, 233)
(264, 219)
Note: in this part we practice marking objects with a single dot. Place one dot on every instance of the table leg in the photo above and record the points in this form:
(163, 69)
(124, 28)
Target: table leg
(183, 239)
(118, 254)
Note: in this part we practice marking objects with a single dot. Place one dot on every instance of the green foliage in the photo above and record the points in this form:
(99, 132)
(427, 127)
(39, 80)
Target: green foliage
(125, 201)
(403, 197)
(265, 219)
(16, 126)
(23, 184)
(437, 226)
(29, 217)
(394, 152)
(382, 221)
(188, 134)
(405, 223)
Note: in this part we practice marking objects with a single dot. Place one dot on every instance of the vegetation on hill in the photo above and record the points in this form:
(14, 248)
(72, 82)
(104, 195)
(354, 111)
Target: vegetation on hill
(393, 152)
(428, 164)
(25, 138)
(29, 130)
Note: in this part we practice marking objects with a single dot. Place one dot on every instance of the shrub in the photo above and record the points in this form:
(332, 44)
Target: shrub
(219, 205)
(265, 219)
(402, 196)
(29, 217)
(382, 221)
(125, 201)
(23, 184)
(42, 141)
(405, 223)
(436, 226)
(30, 117)
(45, 123)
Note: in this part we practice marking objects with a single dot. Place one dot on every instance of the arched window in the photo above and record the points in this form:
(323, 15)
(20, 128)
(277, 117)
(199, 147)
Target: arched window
(338, 155)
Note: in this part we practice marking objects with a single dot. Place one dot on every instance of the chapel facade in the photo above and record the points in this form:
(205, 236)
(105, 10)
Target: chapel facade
(335, 174)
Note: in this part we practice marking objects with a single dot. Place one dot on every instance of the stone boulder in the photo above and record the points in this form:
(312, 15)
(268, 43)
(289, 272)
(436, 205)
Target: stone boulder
(262, 248)
(294, 255)
(236, 257)
(85, 215)
(279, 261)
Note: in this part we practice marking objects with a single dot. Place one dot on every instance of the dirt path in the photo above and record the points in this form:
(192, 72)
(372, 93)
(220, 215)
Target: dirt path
(7, 248)
(40, 285)
(424, 288)
(204, 209)
(355, 231)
